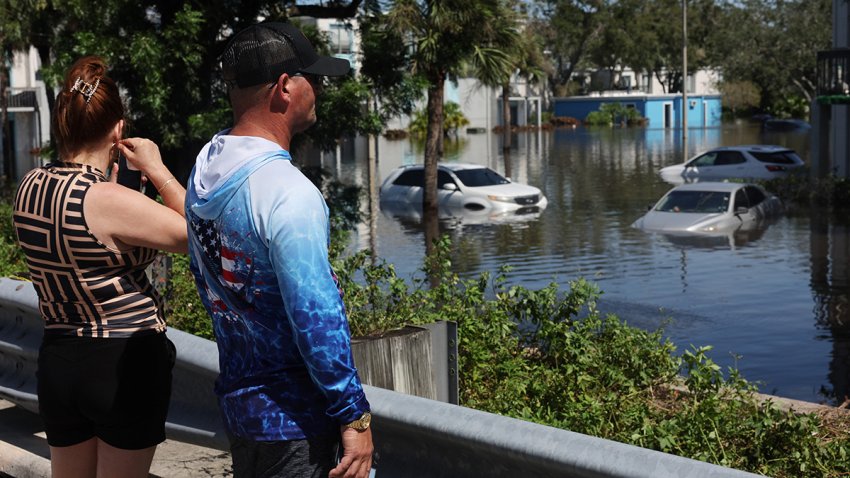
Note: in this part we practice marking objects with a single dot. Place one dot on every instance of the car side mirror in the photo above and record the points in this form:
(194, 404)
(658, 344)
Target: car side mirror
(741, 210)
(449, 187)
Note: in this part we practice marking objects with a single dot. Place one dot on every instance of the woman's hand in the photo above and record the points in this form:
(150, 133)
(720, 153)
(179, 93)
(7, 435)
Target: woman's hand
(143, 154)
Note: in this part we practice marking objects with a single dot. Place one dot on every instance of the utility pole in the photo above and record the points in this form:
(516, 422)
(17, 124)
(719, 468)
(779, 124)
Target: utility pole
(685, 80)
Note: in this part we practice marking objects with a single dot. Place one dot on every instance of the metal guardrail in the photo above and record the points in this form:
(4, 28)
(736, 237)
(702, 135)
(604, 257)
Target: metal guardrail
(414, 437)
(193, 414)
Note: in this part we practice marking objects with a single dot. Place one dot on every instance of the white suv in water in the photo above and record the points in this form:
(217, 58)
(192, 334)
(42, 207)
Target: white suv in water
(746, 162)
(462, 186)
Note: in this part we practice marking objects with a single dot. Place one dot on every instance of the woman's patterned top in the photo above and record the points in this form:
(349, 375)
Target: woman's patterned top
(85, 288)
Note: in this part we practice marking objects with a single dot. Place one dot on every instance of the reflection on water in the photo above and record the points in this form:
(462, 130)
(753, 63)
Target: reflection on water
(830, 284)
(729, 240)
(774, 300)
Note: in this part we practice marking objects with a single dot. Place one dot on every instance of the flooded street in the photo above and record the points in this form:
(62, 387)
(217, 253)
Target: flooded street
(774, 301)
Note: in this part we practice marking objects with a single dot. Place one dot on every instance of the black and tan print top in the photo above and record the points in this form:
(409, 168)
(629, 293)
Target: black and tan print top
(85, 288)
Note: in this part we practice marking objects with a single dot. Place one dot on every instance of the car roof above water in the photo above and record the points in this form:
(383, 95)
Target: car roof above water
(766, 148)
(449, 166)
(711, 186)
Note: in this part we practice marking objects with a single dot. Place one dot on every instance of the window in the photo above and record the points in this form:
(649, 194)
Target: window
(415, 178)
(480, 177)
(341, 38)
(695, 201)
(646, 82)
(706, 159)
(780, 157)
(741, 199)
(443, 178)
(755, 195)
(729, 157)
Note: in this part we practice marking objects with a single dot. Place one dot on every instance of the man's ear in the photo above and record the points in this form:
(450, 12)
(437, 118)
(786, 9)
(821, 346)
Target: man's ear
(281, 92)
(283, 82)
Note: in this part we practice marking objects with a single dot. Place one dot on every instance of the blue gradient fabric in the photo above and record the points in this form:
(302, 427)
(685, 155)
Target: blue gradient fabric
(258, 241)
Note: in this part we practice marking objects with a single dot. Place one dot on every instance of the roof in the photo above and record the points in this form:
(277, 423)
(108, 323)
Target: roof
(770, 148)
(449, 166)
(710, 186)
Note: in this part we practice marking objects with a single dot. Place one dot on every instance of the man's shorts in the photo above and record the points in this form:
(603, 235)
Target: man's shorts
(310, 458)
(116, 389)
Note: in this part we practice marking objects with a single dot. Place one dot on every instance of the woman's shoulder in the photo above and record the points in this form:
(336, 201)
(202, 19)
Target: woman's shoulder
(113, 198)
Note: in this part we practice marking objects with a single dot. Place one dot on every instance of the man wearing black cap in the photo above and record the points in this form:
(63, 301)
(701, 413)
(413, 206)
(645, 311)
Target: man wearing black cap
(258, 241)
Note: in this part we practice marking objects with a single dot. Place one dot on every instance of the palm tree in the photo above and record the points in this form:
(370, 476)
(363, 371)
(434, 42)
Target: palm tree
(443, 36)
(523, 58)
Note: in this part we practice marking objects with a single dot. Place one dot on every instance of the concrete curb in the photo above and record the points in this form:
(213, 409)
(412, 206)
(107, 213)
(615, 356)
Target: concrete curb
(23, 448)
(24, 452)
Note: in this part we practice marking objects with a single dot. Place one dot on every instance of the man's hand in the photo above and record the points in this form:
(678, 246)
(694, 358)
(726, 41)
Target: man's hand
(356, 455)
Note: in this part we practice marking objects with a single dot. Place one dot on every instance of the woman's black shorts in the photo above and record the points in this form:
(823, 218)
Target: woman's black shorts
(116, 389)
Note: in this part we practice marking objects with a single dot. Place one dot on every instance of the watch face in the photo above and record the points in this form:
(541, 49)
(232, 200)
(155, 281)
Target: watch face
(362, 423)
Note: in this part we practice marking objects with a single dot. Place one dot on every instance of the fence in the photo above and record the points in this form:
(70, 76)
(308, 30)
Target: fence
(414, 437)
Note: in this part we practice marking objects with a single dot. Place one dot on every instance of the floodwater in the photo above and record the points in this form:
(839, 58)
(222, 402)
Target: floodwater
(773, 302)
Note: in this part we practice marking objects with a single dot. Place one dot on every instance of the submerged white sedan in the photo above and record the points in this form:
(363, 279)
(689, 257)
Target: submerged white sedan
(470, 188)
(710, 207)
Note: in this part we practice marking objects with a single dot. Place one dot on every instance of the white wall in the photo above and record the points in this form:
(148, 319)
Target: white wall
(29, 127)
(840, 23)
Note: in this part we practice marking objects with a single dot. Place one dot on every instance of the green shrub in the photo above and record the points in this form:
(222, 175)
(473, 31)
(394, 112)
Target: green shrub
(183, 306)
(800, 188)
(615, 113)
(550, 357)
(599, 118)
(12, 260)
(453, 119)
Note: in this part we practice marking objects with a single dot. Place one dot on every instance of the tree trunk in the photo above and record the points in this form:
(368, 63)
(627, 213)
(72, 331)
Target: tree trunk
(506, 133)
(506, 117)
(433, 139)
(44, 55)
(433, 152)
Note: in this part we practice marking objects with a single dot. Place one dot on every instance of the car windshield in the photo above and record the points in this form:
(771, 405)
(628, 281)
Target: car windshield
(695, 201)
(480, 177)
(779, 157)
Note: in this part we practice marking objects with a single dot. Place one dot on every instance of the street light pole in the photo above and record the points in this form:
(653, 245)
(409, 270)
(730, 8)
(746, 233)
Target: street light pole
(685, 80)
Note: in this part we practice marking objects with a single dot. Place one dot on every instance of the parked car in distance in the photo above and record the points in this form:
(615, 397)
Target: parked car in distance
(746, 162)
(710, 207)
(468, 188)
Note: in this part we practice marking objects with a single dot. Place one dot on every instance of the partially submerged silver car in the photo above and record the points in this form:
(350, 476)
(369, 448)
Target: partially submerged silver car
(753, 161)
(710, 207)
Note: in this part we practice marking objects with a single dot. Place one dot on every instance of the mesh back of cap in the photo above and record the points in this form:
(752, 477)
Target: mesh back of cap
(258, 55)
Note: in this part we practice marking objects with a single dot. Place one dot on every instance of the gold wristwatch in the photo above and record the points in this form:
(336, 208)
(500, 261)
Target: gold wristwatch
(362, 423)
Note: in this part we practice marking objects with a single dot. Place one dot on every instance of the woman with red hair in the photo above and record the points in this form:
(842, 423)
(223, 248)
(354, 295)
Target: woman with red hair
(104, 366)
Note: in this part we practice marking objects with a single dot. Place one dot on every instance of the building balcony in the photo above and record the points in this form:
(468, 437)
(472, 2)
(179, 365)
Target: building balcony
(833, 81)
(21, 99)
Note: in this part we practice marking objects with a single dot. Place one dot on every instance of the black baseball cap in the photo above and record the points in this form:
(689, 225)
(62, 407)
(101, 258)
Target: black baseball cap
(261, 53)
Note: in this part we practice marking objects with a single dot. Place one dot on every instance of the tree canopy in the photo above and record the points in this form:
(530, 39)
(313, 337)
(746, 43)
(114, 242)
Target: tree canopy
(771, 44)
(164, 55)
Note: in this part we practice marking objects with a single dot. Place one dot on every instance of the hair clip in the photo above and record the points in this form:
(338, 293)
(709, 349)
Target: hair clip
(86, 89)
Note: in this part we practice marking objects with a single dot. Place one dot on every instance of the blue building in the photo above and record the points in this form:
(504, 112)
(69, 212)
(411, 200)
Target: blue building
(662, 111)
